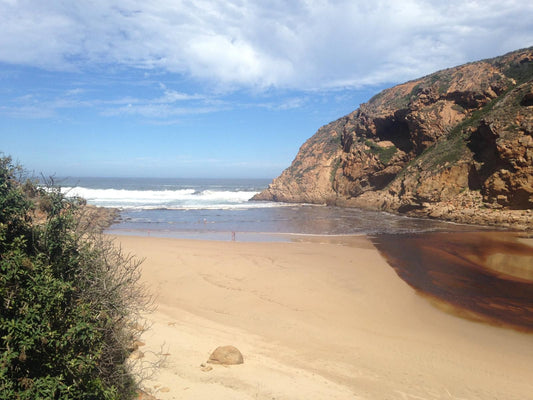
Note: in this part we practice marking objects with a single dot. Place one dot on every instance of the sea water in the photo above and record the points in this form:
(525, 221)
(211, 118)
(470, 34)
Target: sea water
(222, 209)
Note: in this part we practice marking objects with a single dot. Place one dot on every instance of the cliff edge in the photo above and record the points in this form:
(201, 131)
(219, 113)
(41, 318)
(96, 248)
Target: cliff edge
(454, 145)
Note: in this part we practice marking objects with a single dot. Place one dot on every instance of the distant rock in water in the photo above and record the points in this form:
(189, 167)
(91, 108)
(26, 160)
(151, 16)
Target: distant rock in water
(455, 145)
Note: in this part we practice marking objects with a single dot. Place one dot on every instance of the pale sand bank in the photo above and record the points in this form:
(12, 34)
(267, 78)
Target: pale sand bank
(314, 321)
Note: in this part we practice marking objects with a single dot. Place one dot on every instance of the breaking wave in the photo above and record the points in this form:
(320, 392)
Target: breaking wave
(181, 199)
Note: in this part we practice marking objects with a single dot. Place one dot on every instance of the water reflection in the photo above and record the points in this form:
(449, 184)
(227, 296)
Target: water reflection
(297, 219)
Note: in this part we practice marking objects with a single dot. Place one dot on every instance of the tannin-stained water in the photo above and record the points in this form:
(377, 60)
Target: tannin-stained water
(486, 276)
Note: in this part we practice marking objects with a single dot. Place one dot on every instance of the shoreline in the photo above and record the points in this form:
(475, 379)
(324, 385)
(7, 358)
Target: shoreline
(313, 320)
(114, 229)
(121, 225)
(237, 236)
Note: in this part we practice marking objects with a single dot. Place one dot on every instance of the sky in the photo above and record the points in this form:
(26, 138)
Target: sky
(219, 89)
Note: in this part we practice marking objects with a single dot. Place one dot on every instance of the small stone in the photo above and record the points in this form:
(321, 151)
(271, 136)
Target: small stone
(226, 355)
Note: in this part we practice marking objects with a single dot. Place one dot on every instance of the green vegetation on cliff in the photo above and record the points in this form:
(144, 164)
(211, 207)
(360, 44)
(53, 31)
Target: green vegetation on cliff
(68, 300)
(384, 154)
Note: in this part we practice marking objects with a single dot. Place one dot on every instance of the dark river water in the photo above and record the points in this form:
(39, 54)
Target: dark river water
(486, 276)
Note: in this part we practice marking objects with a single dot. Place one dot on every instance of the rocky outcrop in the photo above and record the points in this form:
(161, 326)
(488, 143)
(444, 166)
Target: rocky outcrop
(90, 219)
(459, 139)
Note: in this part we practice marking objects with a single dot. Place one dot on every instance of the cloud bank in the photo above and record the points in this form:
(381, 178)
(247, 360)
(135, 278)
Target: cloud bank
(305, 45)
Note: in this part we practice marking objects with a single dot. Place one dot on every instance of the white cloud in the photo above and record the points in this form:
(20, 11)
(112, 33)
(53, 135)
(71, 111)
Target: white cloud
(41, 105)
(285, 104)
(308, 44)
(172, 96)
(74, 92)
(156, 111)
(38, 106)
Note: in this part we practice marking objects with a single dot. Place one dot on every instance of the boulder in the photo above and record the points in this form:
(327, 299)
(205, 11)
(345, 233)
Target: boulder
(226, 355)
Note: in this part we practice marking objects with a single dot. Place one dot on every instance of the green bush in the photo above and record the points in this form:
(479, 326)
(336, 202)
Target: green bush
(384, 154)
(68, 302)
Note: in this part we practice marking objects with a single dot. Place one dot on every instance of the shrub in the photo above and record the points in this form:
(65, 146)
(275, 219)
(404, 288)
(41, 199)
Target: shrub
(384, 154)
(68, 302)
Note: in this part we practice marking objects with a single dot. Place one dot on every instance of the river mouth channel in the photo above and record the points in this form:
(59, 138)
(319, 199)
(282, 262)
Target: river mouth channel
(484, 276)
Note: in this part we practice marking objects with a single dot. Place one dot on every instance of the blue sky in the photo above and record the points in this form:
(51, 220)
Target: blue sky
(216, 88)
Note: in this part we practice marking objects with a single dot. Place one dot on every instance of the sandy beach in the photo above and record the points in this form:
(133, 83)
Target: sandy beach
(313, 320)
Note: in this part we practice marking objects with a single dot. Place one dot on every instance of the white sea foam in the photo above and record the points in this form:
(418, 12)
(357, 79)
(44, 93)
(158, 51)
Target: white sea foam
(167, 199)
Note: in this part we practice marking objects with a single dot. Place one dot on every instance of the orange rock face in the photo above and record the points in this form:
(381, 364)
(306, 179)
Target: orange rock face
(424, 146)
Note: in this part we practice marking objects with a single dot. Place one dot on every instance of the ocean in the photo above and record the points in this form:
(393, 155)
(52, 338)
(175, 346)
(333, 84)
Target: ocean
(220, 209)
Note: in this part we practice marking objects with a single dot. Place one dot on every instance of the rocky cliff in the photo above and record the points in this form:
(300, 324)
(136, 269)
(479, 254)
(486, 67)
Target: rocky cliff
(456, 145)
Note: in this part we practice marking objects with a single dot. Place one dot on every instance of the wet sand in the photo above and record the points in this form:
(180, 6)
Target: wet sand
(314, 320)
